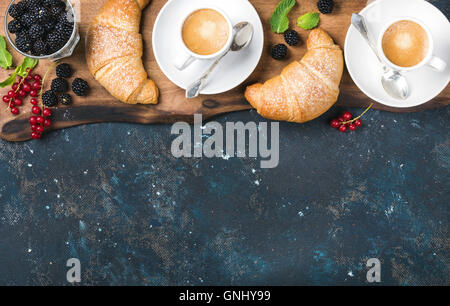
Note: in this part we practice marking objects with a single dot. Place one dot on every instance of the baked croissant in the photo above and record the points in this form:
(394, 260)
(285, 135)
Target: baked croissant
(304, 90)
(114, 49)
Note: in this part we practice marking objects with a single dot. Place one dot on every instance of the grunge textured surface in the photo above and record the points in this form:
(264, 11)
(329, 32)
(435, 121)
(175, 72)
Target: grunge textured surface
(113, 196)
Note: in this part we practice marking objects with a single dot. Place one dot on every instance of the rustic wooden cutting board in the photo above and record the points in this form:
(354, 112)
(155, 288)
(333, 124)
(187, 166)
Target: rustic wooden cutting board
(99, 106)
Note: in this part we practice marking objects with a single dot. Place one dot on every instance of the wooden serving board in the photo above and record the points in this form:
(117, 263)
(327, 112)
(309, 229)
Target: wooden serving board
(99, 106)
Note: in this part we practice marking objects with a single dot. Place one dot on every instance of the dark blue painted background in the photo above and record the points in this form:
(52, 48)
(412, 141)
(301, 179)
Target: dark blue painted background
(113, 196)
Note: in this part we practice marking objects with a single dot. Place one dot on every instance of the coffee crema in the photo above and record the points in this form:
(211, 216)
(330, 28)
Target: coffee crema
(205, 32)
(405, 43)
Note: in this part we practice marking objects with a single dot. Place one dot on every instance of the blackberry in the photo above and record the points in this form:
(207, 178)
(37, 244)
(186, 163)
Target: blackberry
(80, 87)
(63, 18)
(36, 31)
(39, 48)
(48, 26)
(31, 4)
(60, 85)
(21, 9)
(15, 26)
(279, 52)
(65, 99)
(49, 98)
(53, 3)
(28, 19)
(16, 10)
(55, 41)
(65, 28)
(24, 43)
(22, 33)
(292, 38)
(41, 14)
(325, 6)
(68, 30)
(56, 11)
(59, 27)
(63, 71)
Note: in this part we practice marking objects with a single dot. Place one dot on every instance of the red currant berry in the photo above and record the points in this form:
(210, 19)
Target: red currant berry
(352, 127)
(47, 122)
(35, 135)
(6, 99)
(34, 101)
(358, 122)
(34, 93)
(342, 128)
(39, 129)
(29, 77)
(40, 119)
(341, 119)
(347, 116)
(33, 120)
(11, 93)
(22, 93)
(29, 70)
(334, 123)
(18, 102)
(33, 127)
(14, 110)
(36, 85)
(37, 77)
(46, 112)
(15, 86)
(36, 110)
(26, 87)
(12, 103)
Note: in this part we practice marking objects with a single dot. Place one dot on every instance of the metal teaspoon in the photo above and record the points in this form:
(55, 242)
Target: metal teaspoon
(393, 82)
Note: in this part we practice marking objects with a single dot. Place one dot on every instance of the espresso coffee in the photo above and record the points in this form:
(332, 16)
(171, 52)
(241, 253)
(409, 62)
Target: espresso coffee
(205, 32)
(405, 43)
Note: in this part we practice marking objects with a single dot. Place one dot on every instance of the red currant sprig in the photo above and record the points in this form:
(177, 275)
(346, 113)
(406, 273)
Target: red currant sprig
(41, 115)
(39, 121)
(20, 90)
(345, 121)
(31, 85)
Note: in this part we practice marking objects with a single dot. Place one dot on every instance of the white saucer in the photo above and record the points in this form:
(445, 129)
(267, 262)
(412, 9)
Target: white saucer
(425, 83)
(234, 69)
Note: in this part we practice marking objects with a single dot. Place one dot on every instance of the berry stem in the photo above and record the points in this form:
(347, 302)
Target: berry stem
(359, 117)
(41, 103)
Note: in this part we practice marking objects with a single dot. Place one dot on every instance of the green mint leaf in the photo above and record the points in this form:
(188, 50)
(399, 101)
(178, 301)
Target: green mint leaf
(308, 21)
(5, 56)
(27, 63)
(279, 22)
(9, 81)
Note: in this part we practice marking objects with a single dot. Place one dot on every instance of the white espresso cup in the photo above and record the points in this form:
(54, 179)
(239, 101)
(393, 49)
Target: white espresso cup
(186, 56)
(430, 60)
